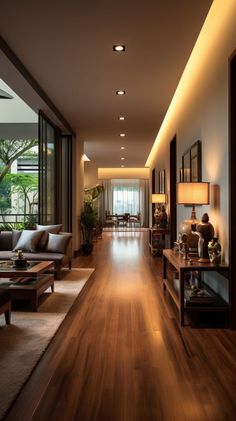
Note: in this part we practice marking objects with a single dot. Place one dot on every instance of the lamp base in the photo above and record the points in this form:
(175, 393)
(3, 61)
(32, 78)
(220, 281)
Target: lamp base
(186, 228)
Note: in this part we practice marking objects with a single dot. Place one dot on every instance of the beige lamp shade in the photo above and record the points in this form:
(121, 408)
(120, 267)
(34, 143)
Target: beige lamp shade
(159, 198)
(192, 193)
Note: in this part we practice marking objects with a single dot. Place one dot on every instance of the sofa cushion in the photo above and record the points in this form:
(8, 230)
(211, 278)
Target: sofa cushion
(15, 237)
(6, 240)
(28, 241)
(6, 254)
(57, 243)
(58, 258)
(54, 229)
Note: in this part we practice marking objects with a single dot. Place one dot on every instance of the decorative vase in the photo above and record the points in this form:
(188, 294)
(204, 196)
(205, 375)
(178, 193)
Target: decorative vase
(19, 263)
(214, 251)
(87, 248)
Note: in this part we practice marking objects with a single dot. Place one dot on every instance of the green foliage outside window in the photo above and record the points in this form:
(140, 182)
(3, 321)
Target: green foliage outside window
(23, 184)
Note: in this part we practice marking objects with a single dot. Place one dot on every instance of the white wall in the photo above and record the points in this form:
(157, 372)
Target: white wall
(90, 174)
(199, 111)
(108, 173)
(15, 110)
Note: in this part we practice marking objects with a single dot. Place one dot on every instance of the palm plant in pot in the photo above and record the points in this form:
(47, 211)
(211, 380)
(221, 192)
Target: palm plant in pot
(88, 221)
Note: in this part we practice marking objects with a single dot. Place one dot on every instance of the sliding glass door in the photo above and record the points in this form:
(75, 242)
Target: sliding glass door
(55, 175)
(47, 171)
(65, 193)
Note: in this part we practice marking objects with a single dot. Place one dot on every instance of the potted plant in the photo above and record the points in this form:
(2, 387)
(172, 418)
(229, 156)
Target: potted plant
(88, 221)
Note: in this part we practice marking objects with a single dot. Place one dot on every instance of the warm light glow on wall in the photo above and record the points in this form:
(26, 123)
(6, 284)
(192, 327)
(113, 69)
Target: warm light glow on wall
(159, 198)
(209, 40)
(213, 168)
(108, 173)
(85, 158)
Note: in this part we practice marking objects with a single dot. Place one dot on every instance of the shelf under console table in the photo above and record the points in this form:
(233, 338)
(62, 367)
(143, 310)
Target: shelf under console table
(175, 273)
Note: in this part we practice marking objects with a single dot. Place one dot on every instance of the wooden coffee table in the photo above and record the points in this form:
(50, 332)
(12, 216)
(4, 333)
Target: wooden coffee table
(27, 283)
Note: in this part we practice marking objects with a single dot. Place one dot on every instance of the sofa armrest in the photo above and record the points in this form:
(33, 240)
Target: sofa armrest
(6, 240)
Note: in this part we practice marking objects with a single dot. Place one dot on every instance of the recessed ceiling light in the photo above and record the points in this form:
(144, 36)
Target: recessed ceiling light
(122, 159)
(120, 92)
(119, 48)
(122, 134)
(121, 117)
(122, 147)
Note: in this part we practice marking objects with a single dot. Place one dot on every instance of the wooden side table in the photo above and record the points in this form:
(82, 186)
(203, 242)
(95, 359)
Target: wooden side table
(157, 239)
(180, 267)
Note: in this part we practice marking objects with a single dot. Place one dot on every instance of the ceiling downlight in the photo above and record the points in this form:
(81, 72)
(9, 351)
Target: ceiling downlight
(120, 92)
(119, 48)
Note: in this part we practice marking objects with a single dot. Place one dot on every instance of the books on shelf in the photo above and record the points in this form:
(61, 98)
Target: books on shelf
(202, 296)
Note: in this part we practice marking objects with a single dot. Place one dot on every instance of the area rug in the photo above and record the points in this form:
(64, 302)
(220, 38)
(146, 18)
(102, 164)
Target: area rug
(23, 342)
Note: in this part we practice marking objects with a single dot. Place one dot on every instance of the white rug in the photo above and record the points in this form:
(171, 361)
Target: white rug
(24, 341)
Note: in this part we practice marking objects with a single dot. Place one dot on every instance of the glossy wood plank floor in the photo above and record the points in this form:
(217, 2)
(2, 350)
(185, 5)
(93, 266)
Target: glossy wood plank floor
(120, 354)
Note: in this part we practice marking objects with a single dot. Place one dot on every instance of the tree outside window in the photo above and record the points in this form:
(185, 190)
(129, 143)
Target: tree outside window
(19, 179)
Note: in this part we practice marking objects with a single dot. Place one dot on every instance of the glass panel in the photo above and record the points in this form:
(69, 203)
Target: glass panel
(125, 196)
(50, 174)
(18, 163)
(47, 199)
(66, 182)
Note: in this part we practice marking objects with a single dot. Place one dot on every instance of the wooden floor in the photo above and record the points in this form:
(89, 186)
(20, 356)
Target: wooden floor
(120, 355)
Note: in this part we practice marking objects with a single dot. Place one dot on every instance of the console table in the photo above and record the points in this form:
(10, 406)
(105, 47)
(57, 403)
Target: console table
(174, 266)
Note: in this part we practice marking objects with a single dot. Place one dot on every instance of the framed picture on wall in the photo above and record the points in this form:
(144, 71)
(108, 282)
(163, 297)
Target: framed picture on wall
(192, 163)
(162, 181)
(153, 181)
(196, 162)
(186, 166)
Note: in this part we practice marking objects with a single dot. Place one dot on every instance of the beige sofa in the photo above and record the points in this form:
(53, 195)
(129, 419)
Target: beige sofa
(55, 247)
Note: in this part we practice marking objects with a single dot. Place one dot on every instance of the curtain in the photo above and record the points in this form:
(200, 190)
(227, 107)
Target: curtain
(105, 202)
(144, 202)
(125, 196)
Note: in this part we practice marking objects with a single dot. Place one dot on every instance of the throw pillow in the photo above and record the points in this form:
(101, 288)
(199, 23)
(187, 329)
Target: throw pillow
(57, 243)
(15, 237)
(28, 241)
(54, 229)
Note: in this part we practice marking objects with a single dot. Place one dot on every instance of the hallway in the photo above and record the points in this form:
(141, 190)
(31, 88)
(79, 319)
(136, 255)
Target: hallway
(120, 355)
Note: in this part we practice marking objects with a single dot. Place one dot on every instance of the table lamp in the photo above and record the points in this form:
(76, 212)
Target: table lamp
(159, 199)
(196, 194)
(192, 194)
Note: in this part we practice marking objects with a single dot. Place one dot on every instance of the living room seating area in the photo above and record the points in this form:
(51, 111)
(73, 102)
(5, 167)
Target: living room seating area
(44, 243)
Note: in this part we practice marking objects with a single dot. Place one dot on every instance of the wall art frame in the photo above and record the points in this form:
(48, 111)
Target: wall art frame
(192, 163)
(162, 181)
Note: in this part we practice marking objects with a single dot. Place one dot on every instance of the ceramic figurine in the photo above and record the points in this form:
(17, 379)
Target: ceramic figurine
(214, 251)
(205, 231)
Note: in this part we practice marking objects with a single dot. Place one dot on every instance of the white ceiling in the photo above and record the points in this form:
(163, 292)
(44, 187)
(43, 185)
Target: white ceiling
(67, 46)
(15, 110)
